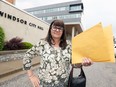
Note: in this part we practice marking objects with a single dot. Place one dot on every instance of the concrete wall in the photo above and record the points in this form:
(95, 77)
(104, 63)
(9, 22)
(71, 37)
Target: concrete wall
(11, 55)
(16, 22)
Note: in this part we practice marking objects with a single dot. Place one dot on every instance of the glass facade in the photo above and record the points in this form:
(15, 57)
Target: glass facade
(70, 11)
(50, 10)
(61, 17)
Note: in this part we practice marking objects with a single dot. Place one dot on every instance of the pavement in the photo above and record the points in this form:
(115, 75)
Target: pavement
(100, 74)
(14, 66)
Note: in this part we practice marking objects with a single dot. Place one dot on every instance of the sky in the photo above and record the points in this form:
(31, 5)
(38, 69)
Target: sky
(95, 11)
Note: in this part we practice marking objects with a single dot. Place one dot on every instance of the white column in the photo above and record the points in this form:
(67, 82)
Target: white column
(73, 31)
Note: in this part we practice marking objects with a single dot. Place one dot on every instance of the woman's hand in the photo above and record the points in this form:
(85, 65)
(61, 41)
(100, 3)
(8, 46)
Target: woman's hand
(35, 80)
(87, 62)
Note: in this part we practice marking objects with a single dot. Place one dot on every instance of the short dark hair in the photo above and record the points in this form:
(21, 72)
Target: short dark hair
(63, 42)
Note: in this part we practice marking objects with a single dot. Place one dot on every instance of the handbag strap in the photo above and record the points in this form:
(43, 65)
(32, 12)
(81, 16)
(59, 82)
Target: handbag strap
(71, 75)
(81, 72)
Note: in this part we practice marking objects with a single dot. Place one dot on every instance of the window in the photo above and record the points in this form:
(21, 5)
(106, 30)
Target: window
(62, 17)
(50, 10)
(31, 12)
(76, 8)
(62, 8)
(49, 18)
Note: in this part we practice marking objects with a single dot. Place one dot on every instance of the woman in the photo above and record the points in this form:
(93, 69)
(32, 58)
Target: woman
(55, 54)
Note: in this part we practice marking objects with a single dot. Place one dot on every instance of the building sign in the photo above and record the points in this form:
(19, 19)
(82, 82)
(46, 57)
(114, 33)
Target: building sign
(19, 20)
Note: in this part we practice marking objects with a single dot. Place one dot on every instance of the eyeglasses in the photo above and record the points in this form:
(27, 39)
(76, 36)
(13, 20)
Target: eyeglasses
(57, 28)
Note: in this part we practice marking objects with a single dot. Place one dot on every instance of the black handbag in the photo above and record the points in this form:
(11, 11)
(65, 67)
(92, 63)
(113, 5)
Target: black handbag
(79, 81)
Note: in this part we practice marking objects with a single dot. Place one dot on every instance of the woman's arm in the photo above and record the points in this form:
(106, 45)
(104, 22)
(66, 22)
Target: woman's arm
(31, 53)
(34, 79)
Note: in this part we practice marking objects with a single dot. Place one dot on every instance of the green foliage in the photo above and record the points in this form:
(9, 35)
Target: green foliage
(27, 45)
(14, 44)
(2, 36)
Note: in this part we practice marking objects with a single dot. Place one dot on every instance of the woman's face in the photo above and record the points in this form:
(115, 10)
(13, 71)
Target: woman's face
(56, 32)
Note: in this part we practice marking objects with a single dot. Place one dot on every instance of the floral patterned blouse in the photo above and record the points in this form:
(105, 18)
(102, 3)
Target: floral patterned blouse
(54, 65)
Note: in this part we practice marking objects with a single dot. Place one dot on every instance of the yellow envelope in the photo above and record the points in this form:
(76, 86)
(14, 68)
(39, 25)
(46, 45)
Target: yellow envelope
(109, 38)
(91, 44)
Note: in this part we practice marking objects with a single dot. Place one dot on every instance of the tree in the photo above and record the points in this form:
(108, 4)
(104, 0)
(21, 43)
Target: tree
(2, 36)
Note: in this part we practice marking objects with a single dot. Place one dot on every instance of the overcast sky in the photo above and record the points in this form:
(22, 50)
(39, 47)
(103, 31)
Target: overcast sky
(95, 11)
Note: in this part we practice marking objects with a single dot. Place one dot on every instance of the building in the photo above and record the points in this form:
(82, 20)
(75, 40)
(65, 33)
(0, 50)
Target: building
(69, 12)
(19, 23)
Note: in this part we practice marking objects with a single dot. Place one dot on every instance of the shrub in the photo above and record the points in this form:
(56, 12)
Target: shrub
(14, 44)
(2, 36)
(27, 45)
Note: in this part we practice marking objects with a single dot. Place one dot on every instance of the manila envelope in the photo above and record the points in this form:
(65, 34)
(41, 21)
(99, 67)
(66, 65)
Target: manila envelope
(91, 44)
(109, 38)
